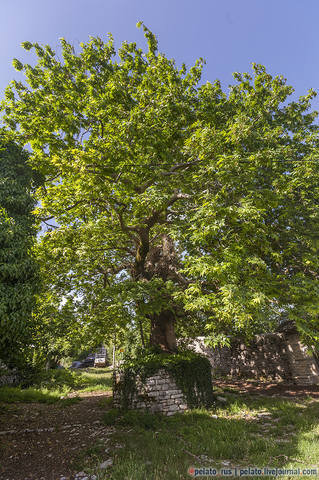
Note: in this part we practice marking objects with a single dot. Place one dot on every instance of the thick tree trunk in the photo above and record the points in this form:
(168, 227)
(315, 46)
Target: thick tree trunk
(163, 331)
(159, 261)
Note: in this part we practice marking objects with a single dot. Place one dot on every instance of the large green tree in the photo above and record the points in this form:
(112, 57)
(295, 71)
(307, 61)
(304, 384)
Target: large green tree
(18, 268)
(176, 204)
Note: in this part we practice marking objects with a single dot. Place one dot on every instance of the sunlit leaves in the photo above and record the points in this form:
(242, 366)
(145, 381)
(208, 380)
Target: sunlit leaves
(252, 239)
(133, 148)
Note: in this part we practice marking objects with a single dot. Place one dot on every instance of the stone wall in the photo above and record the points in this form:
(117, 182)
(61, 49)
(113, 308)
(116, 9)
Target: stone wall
(304, 366)
(7, 376)
(158, 393)
(273, 357)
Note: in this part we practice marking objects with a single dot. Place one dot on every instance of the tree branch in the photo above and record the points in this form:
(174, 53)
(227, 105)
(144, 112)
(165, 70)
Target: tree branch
(66, 209)
(179, 166)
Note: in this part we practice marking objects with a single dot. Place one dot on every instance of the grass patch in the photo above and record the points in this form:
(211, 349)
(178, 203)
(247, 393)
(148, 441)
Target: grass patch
(106, 402)
(75, 380)
(88, 458)
(95, 379)
(49, 387)
(15, 394)
(66, 402)
(134, 418)
(244, 432)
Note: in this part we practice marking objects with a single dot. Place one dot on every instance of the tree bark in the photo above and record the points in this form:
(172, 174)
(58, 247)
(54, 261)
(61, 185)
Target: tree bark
(159, 261)
(163, 331)
(141, 333)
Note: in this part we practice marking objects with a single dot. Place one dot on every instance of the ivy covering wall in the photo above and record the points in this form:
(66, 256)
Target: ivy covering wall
(191, 372)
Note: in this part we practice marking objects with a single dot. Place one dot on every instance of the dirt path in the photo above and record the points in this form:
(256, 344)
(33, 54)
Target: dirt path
(46, 442)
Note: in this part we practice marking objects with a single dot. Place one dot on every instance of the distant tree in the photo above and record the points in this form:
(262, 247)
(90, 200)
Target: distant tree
(18, 269)
(178, 206)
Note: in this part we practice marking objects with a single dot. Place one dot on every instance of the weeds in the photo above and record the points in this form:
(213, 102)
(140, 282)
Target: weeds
(245, 431)
(50, 386)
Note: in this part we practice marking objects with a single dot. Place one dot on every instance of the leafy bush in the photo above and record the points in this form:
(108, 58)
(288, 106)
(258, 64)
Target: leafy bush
(59, 379)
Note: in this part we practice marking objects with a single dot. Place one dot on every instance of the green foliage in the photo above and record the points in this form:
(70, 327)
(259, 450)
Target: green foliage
(252, 242)
(66, 380)
(169, 195)
(191, 372)
(58, 334)
(58, 379)
(130, 344)
(143, 420)
(110, 417)
(28, 395)
(108, 135)
(19, 279)
(54, 385)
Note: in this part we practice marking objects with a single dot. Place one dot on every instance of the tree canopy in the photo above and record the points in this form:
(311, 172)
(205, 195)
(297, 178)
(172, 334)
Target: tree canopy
(177, 205)
(18, 268)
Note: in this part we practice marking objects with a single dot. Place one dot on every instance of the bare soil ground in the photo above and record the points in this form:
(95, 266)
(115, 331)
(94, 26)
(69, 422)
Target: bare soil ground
(45, 442)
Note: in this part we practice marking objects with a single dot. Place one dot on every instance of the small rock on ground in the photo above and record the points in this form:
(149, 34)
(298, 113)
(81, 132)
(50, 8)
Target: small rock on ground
(221, 399)
(106, 464)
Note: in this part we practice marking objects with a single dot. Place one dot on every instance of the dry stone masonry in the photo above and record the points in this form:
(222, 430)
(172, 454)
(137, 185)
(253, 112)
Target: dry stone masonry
(7, 376)
(158, 393)
(303, 364)
(265, 357)
(276, 357)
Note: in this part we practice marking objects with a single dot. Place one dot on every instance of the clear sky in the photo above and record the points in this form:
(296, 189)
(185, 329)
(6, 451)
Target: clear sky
(230, 34)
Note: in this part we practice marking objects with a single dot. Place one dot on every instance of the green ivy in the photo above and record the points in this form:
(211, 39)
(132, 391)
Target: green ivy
(191, 372)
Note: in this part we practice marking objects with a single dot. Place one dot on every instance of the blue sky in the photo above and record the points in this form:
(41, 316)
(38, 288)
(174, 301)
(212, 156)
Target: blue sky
(229, 34)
